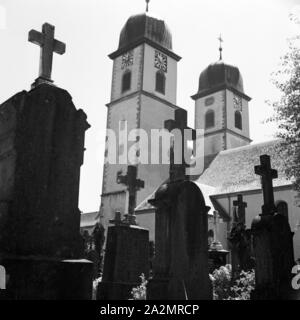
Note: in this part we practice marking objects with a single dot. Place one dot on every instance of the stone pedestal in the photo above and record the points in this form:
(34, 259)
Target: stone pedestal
(274, 258)
(42, 278)
(217, 257)
(41, 152)
(126, 258)
(181, 241)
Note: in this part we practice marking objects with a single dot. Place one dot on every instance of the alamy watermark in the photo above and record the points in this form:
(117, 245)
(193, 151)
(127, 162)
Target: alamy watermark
(137, 146)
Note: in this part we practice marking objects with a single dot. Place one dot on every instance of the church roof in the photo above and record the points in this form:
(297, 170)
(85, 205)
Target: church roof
(88, 219)
(146, 207)
(145, 26)
(141, 28)
(220, 75)
(233, 170)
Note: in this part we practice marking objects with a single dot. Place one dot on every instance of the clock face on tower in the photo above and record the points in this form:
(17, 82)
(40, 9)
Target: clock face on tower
(161, 61)
(127, 59)
(237, 103)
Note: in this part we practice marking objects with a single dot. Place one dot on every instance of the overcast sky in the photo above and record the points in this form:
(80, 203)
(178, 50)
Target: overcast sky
(254, 33)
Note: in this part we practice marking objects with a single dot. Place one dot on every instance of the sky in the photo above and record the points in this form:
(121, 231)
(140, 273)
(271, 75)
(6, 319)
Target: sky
(255, 36)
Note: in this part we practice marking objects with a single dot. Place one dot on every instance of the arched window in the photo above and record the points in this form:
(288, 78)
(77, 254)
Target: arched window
(282, 208)
(209, 119)
(160, 84)
(238, 120)
(126, 81)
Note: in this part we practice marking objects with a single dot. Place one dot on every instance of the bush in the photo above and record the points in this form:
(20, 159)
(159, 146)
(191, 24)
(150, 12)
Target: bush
(226, 289)
(140, 292)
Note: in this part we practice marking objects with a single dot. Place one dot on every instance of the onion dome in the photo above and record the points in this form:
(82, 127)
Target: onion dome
(219, 75)
(143, 26)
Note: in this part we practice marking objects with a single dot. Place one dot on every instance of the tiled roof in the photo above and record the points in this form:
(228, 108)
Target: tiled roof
(145, 206)
(88, 219)
(233, 170)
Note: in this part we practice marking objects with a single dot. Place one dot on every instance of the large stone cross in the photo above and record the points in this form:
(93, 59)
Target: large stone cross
(267, 175)
(133, 185)
(241, 205)
(177, 170)
(48, 44)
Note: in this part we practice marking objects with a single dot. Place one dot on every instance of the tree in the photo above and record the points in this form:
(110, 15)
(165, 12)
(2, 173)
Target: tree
(287, 108)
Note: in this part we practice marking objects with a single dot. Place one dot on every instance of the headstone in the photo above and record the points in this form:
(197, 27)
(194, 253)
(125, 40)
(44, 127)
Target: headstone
(240, 239)
(216, 253)
(126, 258)
(41, 152)
(180, 267)
(272, 243)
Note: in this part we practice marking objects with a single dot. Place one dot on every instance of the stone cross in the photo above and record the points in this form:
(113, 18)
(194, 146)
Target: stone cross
(215, 225)
(220, 47)
(177, 171)
(133, 185)
(48, 44)
(241, 205)
(117, 220)
(267, 175)
(147, 5)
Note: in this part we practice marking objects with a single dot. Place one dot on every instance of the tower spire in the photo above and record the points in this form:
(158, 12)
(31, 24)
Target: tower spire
(220, 47)
(147, 5)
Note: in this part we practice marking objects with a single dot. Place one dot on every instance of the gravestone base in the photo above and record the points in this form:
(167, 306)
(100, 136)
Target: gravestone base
(273, 250)
(115, 291)
(42, 278)
(217, 258)
(126, 259)
(157, 289)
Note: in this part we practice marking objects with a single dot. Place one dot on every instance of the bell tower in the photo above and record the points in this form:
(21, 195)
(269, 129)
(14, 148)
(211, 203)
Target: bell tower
(221, 108)
(143, 96)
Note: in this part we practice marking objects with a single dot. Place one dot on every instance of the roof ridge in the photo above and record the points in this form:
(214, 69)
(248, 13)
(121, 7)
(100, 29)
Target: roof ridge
(249, 146)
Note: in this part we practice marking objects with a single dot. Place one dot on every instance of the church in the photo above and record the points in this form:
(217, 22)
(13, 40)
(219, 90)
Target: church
(143, 96)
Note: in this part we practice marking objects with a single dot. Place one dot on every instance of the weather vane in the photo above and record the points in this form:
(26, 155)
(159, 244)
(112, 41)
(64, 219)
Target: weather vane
(220, 48)
(147, 5)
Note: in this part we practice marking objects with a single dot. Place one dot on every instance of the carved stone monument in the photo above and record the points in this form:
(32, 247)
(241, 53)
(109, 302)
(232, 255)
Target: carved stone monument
(180, 269)
(127, 247)
(272, 243)
(41, 152)
(240, 238)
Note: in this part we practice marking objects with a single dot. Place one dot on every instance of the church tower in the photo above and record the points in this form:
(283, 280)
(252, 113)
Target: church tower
(143, 95)
(221, 108)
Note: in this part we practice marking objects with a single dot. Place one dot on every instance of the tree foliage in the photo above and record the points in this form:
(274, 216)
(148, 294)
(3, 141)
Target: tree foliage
(227, 288)
(287, 108)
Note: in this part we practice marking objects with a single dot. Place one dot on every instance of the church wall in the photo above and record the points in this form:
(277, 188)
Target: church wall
(150, 72)
(255, 200)
(214, 143)
(217, 106)
(135, 68)
(234, 141)
(153, 115)
(109, 205)
(230, 114)
(147, 220)
(126, 110)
